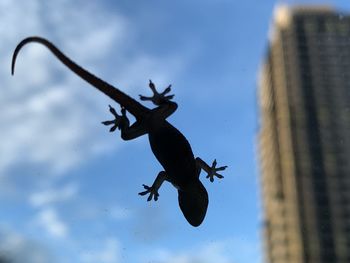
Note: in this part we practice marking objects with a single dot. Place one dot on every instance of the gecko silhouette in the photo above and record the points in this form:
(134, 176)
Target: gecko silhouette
(168, 144)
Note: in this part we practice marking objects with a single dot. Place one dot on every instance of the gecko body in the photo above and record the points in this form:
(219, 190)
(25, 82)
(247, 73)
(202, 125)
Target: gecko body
(168, 144)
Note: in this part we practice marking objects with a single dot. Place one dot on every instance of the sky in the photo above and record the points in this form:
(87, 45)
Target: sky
(68, 187)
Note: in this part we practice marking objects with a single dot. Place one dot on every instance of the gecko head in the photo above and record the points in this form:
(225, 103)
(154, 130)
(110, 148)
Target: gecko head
(194, 203)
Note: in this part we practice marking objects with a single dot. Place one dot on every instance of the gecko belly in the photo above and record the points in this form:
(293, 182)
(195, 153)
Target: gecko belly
(173, 151)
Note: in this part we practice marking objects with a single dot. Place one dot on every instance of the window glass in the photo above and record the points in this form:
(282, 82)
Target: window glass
(261, 87)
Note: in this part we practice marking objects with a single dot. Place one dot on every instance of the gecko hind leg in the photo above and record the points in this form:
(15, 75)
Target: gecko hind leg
(158, 98)
(210, 170)
(153, 190)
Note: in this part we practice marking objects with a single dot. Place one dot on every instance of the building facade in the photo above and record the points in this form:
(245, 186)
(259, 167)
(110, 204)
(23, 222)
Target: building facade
(304, 137)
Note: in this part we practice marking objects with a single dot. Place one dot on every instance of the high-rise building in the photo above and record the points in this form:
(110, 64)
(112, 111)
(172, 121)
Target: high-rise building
(304, 137)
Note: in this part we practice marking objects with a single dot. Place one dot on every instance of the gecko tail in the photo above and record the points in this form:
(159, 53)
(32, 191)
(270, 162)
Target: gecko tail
(131, 105)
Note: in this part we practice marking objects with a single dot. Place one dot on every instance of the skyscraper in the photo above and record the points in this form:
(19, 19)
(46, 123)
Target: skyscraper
(304, 137)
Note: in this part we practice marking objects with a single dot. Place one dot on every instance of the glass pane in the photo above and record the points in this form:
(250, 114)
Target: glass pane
(259, 86)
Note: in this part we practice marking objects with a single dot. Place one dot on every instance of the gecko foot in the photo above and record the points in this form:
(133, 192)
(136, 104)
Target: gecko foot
(213, 171)
(152, 191)
(118, 119)
(158, 98)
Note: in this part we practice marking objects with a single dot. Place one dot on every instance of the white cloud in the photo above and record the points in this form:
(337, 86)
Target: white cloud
(47, 115)
(93, 210)
(50, 196)
(158, 226)
(15, 248)
(120, 213)
(204, 254)
(49, 118)
(224, 251)
(42, 118)
(110, 252)
(49, 220)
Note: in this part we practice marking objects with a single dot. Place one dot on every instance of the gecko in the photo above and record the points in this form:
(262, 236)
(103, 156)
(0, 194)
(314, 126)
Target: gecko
(168, 144)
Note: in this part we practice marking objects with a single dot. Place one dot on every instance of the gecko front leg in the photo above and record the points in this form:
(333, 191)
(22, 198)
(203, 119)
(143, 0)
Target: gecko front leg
(158, 98)
(153, 190)
(166, 107)
(122, 123)
(118, 119)
(210, 170)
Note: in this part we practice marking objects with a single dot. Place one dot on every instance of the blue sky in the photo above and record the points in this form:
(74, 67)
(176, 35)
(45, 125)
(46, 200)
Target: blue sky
(68, 188)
